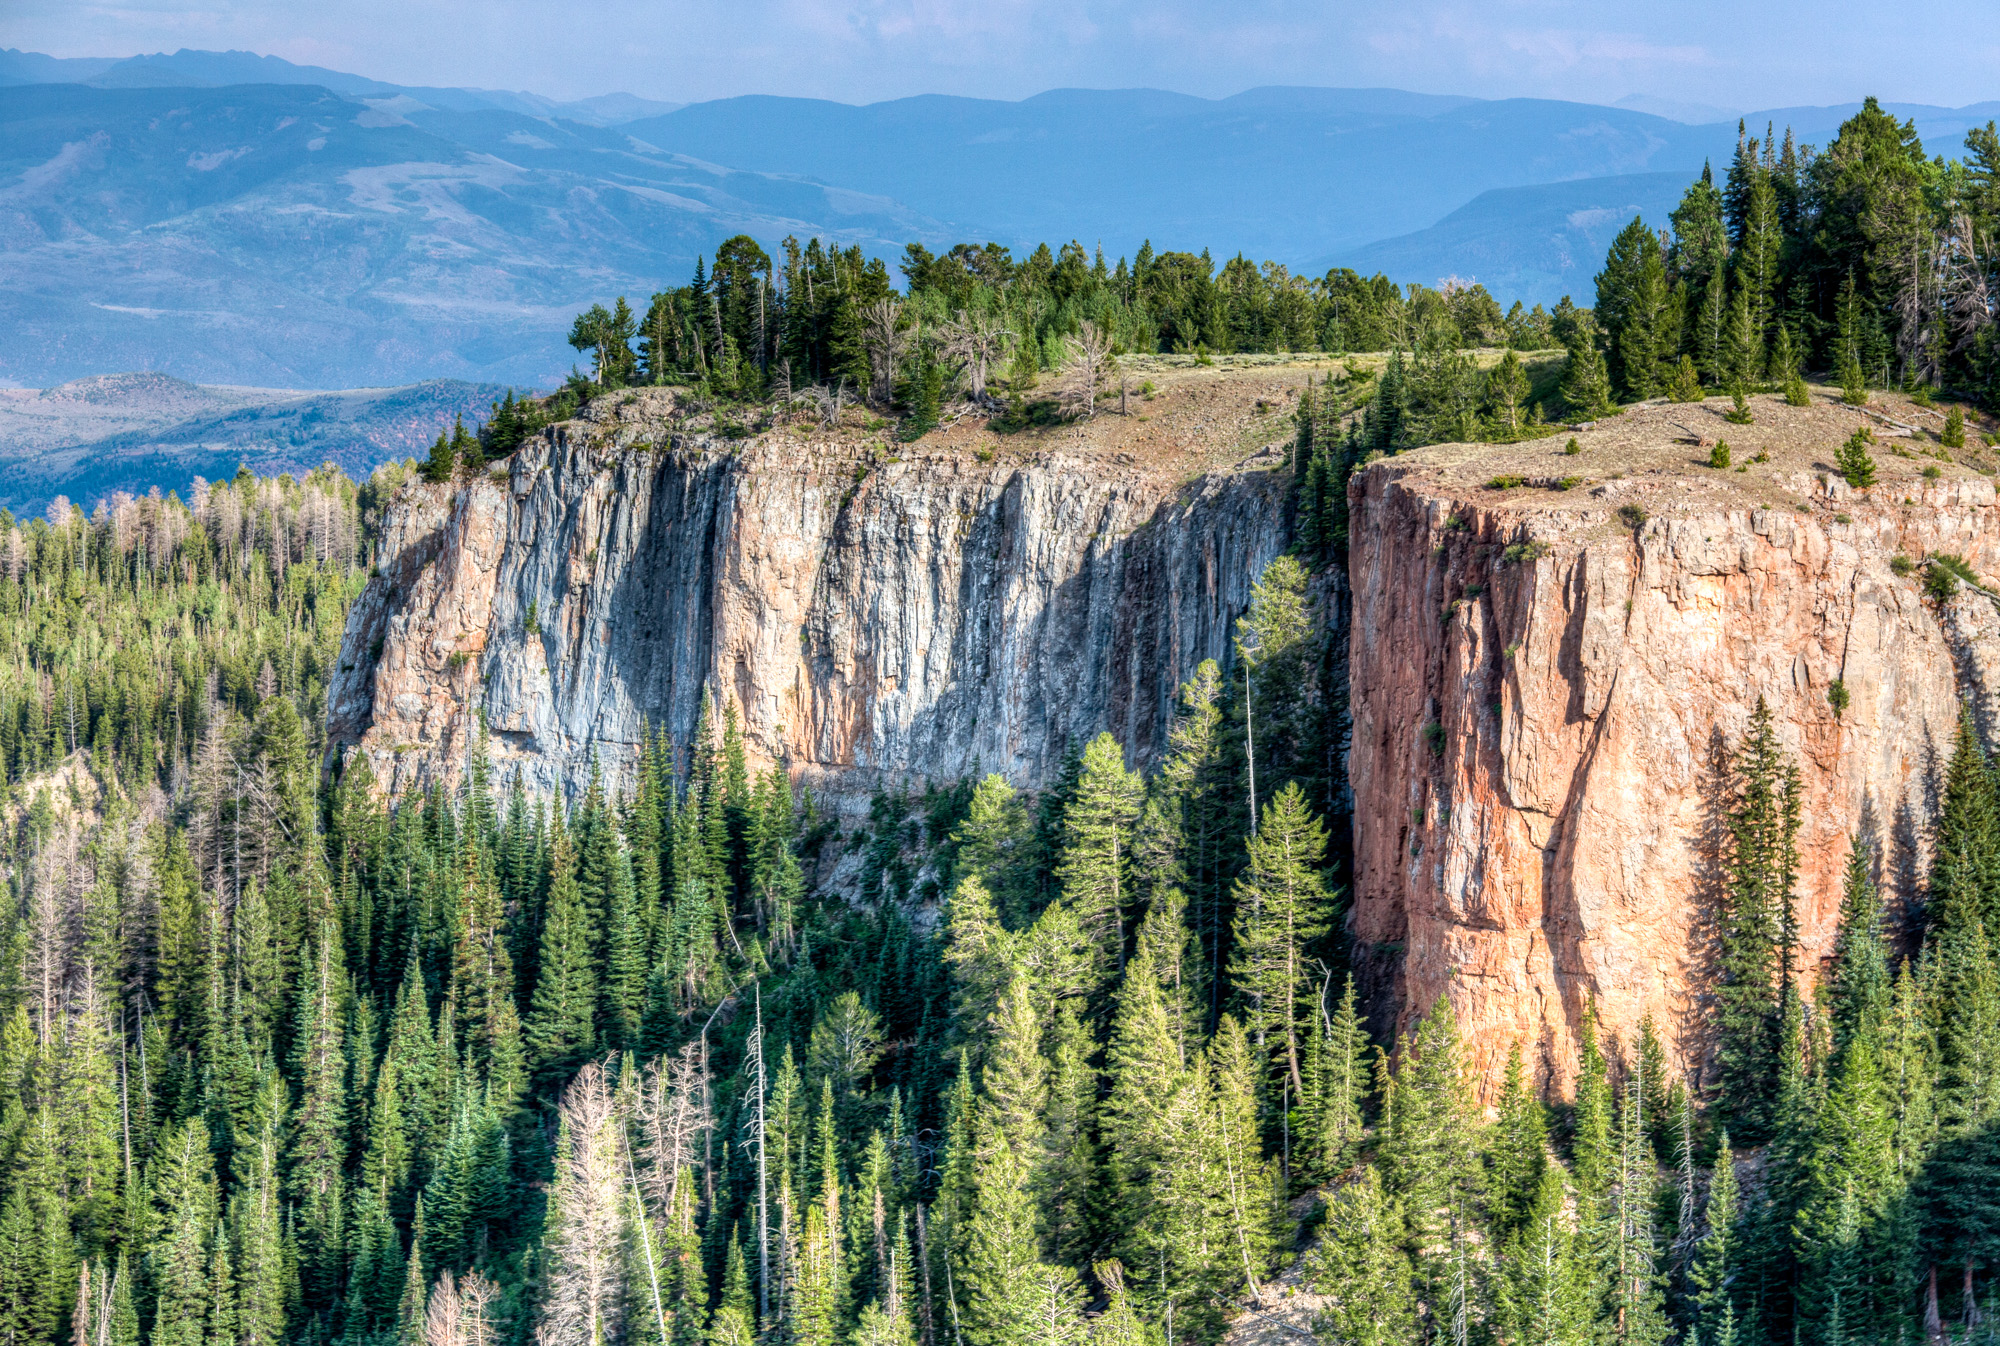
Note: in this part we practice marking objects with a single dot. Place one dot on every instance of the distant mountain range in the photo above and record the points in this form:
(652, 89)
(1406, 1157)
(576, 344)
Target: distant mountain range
(214, 69)
(128, 432)
(231, 218)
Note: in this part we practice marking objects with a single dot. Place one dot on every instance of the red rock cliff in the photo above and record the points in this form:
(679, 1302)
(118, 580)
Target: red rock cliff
(1536, 732)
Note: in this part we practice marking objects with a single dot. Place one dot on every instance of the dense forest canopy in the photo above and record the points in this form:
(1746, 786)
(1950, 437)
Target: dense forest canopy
(279, 1062)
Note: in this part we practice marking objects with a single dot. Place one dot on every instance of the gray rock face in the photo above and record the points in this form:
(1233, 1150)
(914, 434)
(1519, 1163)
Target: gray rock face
(873, 621)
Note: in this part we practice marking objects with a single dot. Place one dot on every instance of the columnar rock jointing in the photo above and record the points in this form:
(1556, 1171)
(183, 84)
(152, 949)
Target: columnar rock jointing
(874, 621)
(1535, 744)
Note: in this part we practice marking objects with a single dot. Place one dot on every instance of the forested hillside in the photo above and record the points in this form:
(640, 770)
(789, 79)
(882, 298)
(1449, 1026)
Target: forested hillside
(1866, 259)
(282, 1065)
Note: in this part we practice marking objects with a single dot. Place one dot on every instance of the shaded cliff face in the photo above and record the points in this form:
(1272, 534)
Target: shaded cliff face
(874, 621)
(1552, 841)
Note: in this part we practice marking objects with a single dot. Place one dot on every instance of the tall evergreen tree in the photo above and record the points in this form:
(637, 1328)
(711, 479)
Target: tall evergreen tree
(1281, 910)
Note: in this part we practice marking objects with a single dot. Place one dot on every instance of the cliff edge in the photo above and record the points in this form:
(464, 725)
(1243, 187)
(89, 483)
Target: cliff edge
(1553, 655)
(878, 613)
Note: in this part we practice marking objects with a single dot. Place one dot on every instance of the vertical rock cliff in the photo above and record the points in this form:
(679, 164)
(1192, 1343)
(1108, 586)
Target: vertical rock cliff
(875, 620)
(1546, 691)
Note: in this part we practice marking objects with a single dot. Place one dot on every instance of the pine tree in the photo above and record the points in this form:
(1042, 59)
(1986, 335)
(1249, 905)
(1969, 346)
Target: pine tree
(1361, 1266)
(1713, 1270)
(1759, 929)
(1542, 1295)
(1097, 851)
(1517, 1153)
(560, 1030)
(1281, 908)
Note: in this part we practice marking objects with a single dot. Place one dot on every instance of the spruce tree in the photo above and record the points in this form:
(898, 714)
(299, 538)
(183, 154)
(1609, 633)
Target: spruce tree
(1758, 927)
(1517, 1153)
(1542, 1296)
(1336, 1086)
(184, 1198)
(1001, 1250)
(1362, 1268)
(1249, 1192)
(1282, 908)
(560, 1031)
(1097, 851)
(1428, 1157)
(1714, 1268)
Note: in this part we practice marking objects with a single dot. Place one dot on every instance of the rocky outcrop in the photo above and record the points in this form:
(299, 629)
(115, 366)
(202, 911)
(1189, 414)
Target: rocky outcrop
(875, 620)
(1545, 692)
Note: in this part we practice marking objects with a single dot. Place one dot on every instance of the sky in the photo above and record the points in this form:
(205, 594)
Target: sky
(1727, 54)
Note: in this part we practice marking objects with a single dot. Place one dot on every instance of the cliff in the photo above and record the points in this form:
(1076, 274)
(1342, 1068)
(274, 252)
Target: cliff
(1545, 691)
(878, 614)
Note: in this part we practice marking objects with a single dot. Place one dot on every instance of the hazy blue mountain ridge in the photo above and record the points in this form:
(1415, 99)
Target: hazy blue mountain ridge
(281, 235)
(214, 69)
(327, 230)
(129, 432)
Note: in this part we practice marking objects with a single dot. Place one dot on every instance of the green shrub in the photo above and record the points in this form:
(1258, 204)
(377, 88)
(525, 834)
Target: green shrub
(1520, 553)
(1572, 449)
(1568, 483)
(1852, 459)
(1434, 737)
(1836, 696)
(1953, 436)
(1853, 384)
(1901, 565)
(1739, 409)
(1719, 455)
(1686, 383)
(1796, 392)
(1932, 473)
(1632, 515)
(1944, 572)
(1506, 483)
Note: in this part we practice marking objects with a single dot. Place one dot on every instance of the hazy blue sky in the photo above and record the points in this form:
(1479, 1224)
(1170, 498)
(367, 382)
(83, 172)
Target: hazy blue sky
(1729, 53)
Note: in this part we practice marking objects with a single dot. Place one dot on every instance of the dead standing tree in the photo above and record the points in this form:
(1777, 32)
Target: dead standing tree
(978, 343)
(885, 346)
(1087, 360)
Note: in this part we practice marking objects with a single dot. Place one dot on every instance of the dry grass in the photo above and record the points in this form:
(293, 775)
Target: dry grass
(1658, 453)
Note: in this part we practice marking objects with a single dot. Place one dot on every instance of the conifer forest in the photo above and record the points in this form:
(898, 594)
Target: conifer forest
(280, 1062)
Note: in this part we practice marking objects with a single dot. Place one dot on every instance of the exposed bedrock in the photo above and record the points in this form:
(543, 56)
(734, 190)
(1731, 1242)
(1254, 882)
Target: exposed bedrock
(1538, 744)
(875, 621)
